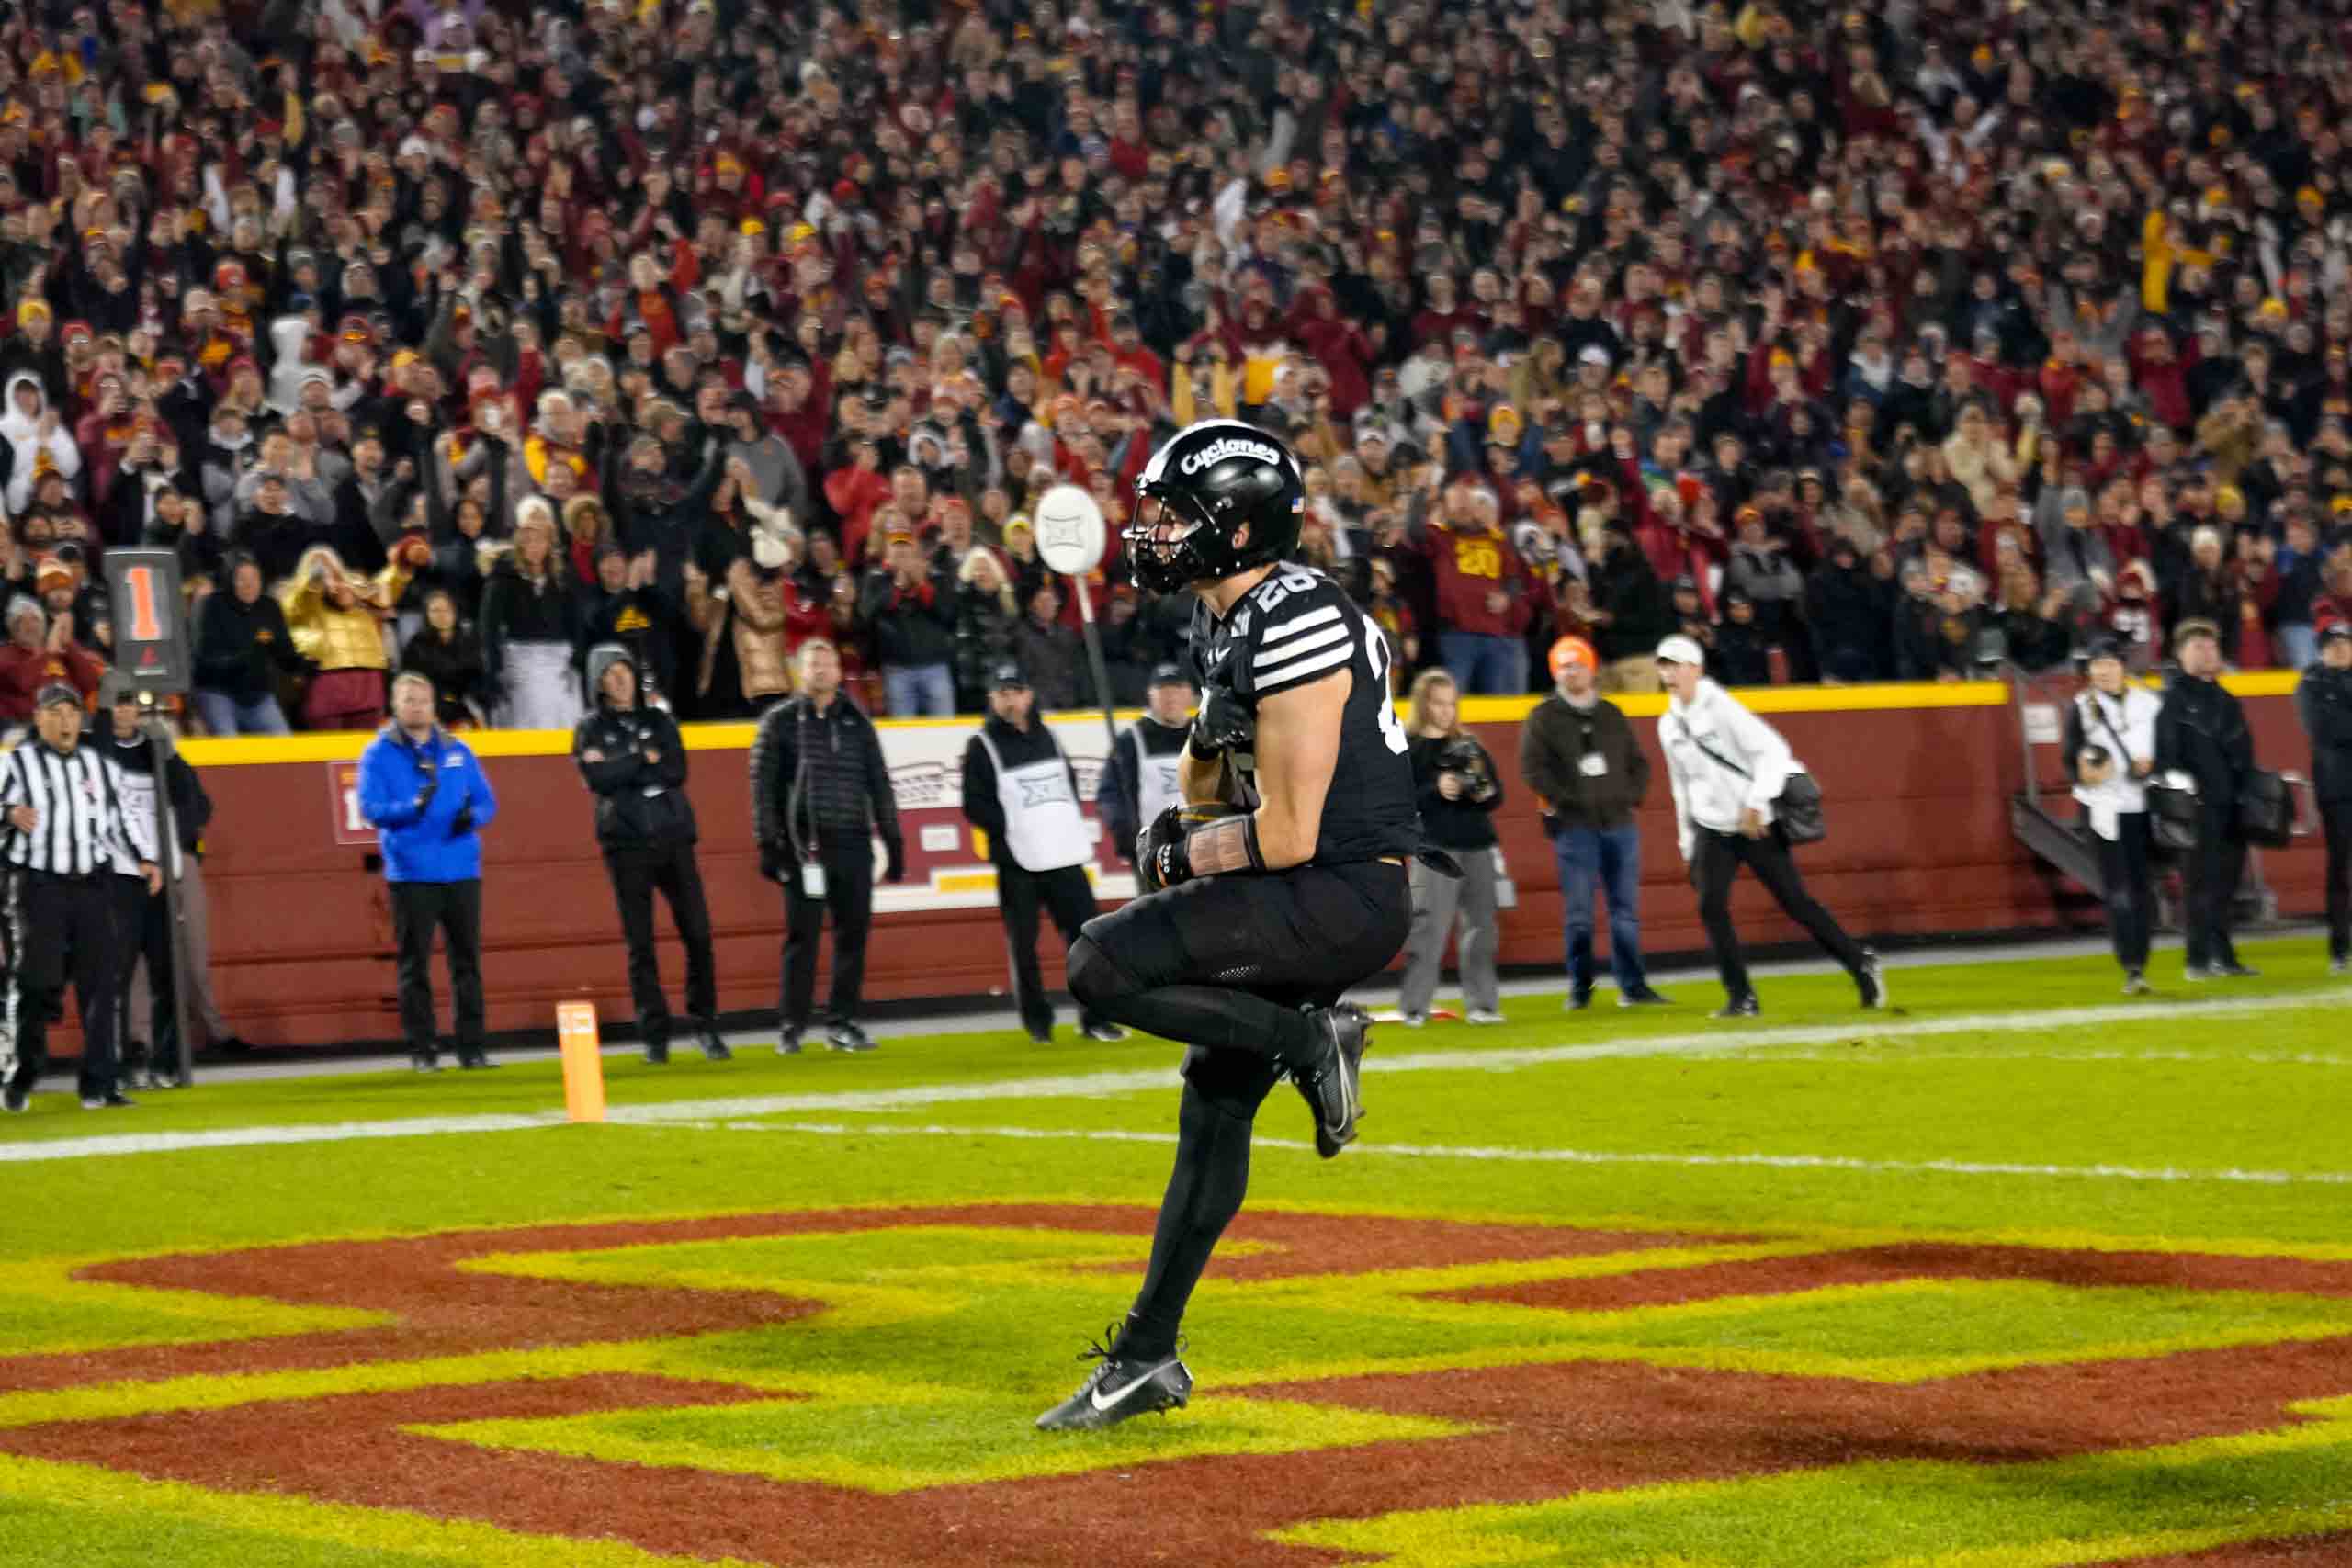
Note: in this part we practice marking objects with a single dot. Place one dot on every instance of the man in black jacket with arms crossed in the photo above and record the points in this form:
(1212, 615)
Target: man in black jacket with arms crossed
(635, 761)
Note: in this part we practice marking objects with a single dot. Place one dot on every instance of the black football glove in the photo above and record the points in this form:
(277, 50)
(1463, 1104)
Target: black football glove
(462, 823)
(1223, 724)
(894, 867)
(1162, 860)
(771, 863)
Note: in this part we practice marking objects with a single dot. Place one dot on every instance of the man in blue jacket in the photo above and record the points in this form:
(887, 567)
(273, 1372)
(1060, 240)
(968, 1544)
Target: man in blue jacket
(425, 794)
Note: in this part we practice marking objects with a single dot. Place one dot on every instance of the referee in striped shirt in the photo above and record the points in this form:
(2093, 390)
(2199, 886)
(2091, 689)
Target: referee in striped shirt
(62, 802)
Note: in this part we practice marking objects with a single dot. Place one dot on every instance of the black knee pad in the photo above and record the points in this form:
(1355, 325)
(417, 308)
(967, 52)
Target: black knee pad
(1093, 975)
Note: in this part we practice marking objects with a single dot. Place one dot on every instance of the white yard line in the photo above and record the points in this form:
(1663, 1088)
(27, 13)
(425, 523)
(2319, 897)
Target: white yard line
(1089, 1086)
(1593, 1156)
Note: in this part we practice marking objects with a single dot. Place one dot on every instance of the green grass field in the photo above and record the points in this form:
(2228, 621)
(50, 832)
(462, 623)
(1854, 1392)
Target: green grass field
(2018, 1275)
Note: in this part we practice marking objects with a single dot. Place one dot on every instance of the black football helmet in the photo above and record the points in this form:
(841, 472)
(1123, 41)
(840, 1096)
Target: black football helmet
(1211, 480)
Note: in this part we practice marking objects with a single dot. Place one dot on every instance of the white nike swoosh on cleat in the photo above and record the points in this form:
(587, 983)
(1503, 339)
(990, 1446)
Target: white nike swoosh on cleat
(1101, 1403)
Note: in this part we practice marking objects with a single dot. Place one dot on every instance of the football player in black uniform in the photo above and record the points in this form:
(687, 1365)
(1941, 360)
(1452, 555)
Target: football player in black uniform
(1253, 921)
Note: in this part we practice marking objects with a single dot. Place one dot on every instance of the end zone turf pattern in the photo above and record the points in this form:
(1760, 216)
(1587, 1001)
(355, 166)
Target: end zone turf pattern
(2075, 1296)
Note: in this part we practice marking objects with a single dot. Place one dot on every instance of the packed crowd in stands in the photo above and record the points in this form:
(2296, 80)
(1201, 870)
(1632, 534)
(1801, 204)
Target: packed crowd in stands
(1857, 344)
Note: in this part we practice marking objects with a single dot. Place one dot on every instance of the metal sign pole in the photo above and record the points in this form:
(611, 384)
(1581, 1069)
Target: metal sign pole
(1095, 659)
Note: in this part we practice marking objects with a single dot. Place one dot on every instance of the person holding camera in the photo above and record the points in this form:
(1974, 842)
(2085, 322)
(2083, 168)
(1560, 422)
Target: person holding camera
(2323, 699)
(1455, 787)
(1579, 755)
(2109, 750)
(2201, 731)
(635, 763)
(428, 800)
(1728, 769)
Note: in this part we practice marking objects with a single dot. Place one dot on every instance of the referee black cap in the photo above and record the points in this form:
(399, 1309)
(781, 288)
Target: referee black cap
(1007, 675)
(1169, 675)
(57, 692)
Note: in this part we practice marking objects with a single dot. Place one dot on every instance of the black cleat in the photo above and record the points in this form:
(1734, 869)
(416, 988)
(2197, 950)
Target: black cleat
(1331, 1081)
(424, 1061)
(2136, 984)
(15, 1100)
(475, 1061)
(713, 1047)
(789, 1044)
(1645, 998)
(657, 1052)
(1042, 1036)
(1740, 1007)
(848, 1037)
(2233, 970)
(1870, 980)
(1118, 1389)
(113, 1100)
(1108, 1033)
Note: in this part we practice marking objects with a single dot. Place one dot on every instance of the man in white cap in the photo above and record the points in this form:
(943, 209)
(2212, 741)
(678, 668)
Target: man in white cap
(1728, 768)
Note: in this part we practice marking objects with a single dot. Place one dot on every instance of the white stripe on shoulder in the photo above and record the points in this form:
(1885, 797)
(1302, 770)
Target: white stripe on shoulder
(1299, 623)
(1313, 664)
(1268, 657)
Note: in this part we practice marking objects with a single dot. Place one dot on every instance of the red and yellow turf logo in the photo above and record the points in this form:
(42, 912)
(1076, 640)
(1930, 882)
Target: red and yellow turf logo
(855, 1388)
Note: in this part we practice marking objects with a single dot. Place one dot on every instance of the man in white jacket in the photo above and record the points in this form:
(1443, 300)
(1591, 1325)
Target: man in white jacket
(1728, 767)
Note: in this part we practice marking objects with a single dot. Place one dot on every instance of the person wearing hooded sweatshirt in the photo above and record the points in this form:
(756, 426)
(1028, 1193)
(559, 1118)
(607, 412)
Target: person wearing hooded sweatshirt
(33, 432)
(1728, 767)
(242, 644)
(635, 763)
(428, 800)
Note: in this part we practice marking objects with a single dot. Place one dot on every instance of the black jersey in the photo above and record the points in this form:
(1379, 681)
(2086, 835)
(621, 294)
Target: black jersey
(1299, 626)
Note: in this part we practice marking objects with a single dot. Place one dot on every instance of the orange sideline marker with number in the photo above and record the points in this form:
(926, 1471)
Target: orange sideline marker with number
(583, 1061)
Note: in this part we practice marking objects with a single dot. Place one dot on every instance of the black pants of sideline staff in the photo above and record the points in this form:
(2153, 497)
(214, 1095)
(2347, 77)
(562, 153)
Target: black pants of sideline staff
(1068, 897)
(2335, 820)
(61, 929)
(2129, 889)
(636, 871)
(849, 893)
(2209, 876)
(1717, 862)
(454, 909)
(143, 924)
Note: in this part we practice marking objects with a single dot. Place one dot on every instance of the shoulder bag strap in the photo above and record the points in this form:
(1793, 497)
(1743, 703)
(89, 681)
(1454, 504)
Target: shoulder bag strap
(1719, 758)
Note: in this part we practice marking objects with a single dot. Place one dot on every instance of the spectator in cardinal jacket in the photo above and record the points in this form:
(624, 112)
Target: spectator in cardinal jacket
(1588, 773)
(821, 793)
(635, 761)
(1483, 596)
(2201, 731)
(2110, 750)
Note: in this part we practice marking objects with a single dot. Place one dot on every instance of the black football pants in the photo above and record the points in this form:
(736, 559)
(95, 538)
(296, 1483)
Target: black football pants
(636, 871)
(1226, 965)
